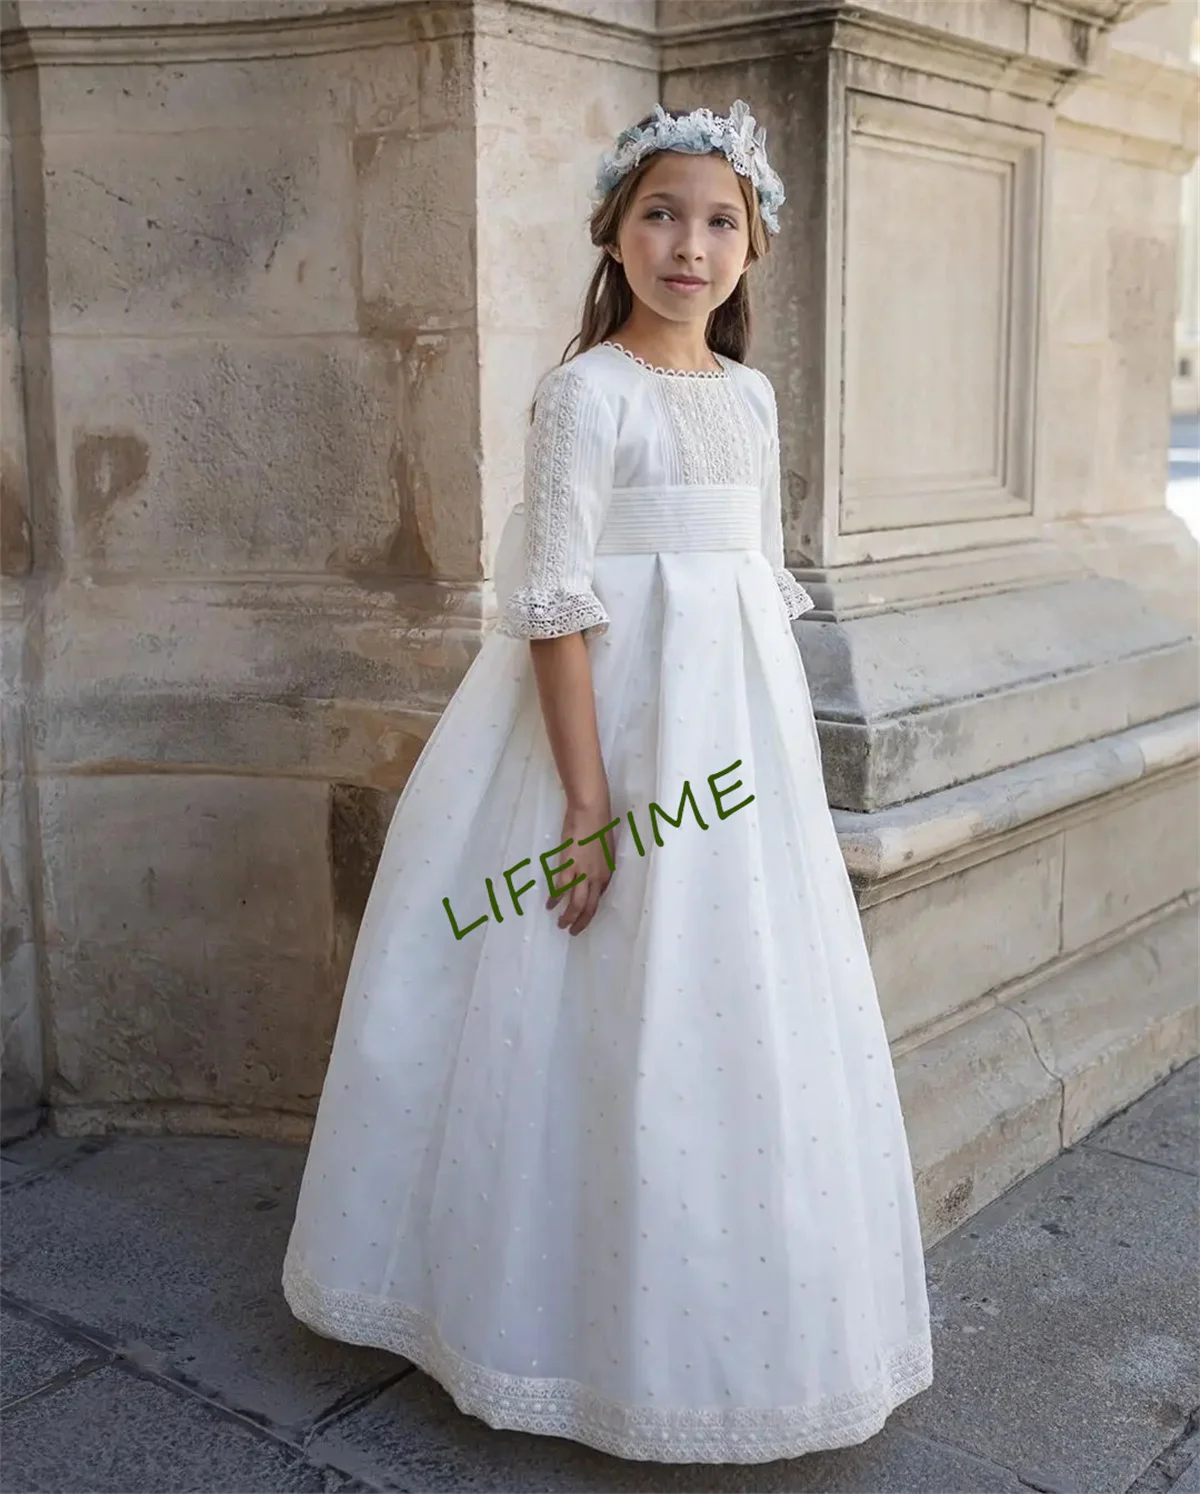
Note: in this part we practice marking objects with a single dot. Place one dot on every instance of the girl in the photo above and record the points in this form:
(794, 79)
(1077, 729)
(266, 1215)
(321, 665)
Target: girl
(633, 1173)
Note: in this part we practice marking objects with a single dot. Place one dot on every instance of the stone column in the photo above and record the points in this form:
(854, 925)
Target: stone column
(1125, 144)
(247, 276)
(1011, 738)
(21, 1005)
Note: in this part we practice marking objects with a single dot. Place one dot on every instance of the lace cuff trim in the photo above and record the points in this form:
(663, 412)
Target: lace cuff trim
(794, 595)
(565, 1408)
(533, 613)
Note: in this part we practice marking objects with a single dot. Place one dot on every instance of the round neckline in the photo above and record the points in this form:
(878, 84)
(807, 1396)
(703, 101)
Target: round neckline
(670, 373)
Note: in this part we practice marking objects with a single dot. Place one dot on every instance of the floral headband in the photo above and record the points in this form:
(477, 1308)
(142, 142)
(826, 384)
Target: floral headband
(699, 133)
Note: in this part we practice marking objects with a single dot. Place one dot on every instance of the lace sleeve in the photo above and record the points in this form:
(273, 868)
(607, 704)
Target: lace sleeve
(568, 483)
(794, 595)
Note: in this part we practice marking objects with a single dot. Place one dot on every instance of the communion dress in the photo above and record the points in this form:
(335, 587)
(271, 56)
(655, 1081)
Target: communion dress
(647, 1187)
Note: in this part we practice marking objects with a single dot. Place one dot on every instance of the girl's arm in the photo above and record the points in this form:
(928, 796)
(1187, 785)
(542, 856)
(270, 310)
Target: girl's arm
(563, 669)
(568, 486)
(569, 457)
(564, 679)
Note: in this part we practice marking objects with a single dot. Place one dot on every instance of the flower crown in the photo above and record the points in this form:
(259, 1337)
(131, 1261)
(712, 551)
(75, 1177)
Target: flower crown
(699, 133)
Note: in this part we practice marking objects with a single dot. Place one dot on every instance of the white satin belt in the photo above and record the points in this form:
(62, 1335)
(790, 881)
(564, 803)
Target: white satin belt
(641, 520)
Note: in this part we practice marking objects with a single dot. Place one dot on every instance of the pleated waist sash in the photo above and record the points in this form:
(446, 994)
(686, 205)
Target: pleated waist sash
(641, 520)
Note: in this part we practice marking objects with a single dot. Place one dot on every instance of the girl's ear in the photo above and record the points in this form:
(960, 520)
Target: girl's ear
(614, 251)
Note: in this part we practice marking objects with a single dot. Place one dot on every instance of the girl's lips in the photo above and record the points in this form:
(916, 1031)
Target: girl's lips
(680, 282)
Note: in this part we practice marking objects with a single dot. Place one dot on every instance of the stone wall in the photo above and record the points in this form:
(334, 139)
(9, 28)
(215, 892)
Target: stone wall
(251, 343)
(21, 1008)
(1123, 141)
(280, 364)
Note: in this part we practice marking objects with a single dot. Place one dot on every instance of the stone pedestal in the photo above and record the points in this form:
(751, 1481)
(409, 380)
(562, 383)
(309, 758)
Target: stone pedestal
(969, 323)
(274, 408)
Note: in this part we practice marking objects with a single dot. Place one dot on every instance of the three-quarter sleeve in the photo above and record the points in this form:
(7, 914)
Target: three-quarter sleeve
(569, 458)
(794, 595)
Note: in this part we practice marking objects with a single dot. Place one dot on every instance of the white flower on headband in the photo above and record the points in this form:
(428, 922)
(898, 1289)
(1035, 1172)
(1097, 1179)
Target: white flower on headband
(699, 133)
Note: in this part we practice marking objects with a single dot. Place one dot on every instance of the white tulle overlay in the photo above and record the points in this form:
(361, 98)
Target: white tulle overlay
(648, 1188)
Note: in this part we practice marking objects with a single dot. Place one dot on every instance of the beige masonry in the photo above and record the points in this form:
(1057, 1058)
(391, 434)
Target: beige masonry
(279, 277)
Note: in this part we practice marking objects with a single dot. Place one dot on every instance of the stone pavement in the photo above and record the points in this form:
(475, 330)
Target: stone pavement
(146, 1347)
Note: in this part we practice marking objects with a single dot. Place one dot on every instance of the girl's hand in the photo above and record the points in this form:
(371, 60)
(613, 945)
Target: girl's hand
(582, 900)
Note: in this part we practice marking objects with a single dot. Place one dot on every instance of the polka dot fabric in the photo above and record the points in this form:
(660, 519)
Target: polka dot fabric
(648, 1188)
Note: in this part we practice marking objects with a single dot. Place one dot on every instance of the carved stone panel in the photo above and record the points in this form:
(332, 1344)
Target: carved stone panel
(941, 229)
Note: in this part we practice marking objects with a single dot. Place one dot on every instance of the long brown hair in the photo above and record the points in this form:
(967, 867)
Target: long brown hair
(608, 301)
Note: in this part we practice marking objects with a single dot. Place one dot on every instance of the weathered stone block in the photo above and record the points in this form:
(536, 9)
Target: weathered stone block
(511, 364)
(422, 84)
(1141, 313)
(912, 700)
(417, 203)
(191, 1025)
(16, 902)
(639, 14)
(182, 866)
(211, 456)
(1130, 860)
(1079, 440)
(194, 963)
(980, 1111)
(359, 819)
(16, 533)
(1105, 1047)
(1143, 200)
(22, 1066)
(937, 948)
(328, 679)
(435, 467)
(1078, 179)
(16, 539)
(411, 71)
(533, 89)
(8, 269)
(1078, 281)
(372, 746)
(255, 235)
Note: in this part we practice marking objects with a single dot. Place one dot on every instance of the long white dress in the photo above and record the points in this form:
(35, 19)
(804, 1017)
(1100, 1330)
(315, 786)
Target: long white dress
(649, 1187)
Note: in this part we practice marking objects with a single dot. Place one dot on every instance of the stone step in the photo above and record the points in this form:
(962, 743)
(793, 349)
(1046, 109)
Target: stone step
(913, 700)
(993, 1098)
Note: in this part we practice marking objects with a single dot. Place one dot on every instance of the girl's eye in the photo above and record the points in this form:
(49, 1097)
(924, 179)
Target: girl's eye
(721, 218)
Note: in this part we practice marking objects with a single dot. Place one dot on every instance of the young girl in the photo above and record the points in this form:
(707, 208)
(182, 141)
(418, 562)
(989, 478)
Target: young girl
(610, 1142)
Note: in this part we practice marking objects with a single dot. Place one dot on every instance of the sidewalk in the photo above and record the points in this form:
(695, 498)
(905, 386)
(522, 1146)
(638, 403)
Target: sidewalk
(147, 1348)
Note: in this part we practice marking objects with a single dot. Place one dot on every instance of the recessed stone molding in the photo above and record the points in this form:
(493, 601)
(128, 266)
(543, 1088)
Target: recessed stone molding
(941, 261)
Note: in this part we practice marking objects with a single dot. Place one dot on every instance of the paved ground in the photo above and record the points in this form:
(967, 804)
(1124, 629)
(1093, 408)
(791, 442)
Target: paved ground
(147, 1349)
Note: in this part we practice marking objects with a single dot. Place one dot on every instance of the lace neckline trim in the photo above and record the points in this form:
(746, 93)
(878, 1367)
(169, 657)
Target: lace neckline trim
(672, 373)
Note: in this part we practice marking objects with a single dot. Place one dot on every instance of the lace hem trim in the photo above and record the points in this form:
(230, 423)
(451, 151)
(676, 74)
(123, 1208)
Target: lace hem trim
(794, 595)
(565, 1408)
(674, 373)
(533, 613)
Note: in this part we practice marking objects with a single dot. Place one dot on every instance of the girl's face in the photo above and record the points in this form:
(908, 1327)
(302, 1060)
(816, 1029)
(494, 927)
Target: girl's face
(685, 238)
